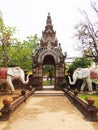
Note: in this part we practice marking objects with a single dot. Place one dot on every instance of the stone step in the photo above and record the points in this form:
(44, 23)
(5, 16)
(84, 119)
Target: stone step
(48, 93)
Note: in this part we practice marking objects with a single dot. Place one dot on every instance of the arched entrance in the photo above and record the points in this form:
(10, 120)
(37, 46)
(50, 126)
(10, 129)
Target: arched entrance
(48, 72)
(48, 52)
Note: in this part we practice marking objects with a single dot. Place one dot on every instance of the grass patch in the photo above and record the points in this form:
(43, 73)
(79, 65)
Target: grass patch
(46, 83)
(85, 96)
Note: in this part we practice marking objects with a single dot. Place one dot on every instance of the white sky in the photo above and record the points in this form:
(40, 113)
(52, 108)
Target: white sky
(29, 16)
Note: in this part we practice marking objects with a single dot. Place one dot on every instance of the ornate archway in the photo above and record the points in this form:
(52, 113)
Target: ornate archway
(48, 52)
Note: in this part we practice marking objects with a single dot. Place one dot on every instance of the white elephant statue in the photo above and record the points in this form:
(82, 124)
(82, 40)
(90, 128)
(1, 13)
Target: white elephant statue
(9, 74)
(88, 75)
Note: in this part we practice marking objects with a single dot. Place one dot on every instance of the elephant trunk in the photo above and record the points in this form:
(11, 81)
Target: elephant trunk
(72, 83)
(24, 81)
(27, 79)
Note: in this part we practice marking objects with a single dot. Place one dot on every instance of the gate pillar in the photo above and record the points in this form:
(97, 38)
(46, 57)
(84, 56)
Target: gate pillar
(60, 75)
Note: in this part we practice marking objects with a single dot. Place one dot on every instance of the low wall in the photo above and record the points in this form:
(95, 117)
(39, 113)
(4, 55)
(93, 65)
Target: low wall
(90, 112)
(6, 111)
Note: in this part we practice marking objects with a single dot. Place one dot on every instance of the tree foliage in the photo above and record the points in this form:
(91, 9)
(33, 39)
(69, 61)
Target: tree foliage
(81, 62)
(5, 37)
(14, 52)
(48, 70)
(20, 53)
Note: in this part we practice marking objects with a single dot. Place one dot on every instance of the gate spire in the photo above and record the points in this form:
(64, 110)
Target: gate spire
(49, 35)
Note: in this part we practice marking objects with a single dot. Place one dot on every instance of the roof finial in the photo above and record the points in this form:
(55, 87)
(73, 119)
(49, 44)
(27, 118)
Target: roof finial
(48, 13)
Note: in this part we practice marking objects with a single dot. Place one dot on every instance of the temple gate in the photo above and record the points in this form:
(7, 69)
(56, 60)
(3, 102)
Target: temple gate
(48, 52)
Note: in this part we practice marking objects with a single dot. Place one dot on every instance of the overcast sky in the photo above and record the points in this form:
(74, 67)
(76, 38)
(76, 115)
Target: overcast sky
(29, 16)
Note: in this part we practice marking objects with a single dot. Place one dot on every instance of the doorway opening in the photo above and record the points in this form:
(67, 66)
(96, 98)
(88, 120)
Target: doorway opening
(48, 76)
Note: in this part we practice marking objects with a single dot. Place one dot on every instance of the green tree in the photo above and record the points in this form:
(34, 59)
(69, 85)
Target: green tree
(81, 62)
(20, 53)
(48, 70)
(14, 52)
(5, 36)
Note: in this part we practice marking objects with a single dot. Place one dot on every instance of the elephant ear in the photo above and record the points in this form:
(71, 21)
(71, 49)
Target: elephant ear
(82, 73)
(10, 71)
(13, 71)
(79, 74)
